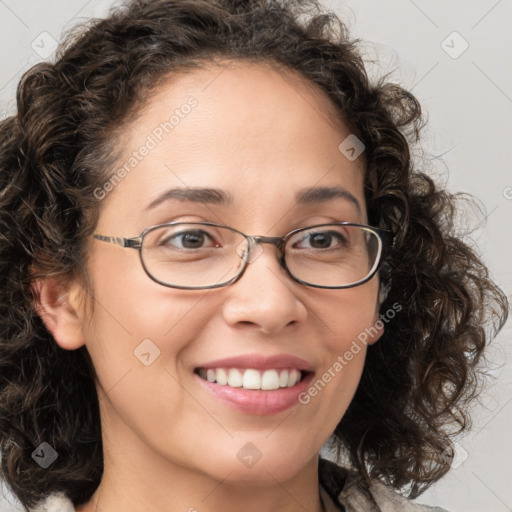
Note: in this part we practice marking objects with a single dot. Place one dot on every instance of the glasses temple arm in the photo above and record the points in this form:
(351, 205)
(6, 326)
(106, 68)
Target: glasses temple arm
(123, 242)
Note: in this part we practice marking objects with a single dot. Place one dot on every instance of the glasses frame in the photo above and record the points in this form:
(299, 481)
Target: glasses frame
(385, 237)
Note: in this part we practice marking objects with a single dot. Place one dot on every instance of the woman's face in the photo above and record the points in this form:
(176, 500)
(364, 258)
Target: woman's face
(262, 137)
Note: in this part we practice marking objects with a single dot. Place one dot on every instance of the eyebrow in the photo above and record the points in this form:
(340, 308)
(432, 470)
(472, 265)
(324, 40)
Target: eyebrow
(195, 195)
(320, 195)
(215, 196)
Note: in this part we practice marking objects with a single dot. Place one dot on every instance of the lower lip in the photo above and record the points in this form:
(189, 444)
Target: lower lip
(257, 401)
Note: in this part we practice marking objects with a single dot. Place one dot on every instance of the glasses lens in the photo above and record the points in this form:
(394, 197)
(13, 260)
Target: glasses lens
(333, 255)
(193, 255)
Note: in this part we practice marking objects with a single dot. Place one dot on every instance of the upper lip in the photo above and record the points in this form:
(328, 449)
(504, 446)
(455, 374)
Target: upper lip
(260, 362)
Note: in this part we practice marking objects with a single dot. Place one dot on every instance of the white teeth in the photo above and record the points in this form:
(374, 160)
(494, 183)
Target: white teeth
(293, 377)
(234, 378)
(222, 377)
(252, 379)
(270, 380)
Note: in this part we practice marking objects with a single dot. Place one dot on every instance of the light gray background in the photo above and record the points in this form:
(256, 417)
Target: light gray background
(468, 99)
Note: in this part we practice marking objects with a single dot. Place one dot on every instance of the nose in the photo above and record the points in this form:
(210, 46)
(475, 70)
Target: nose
(265, 297)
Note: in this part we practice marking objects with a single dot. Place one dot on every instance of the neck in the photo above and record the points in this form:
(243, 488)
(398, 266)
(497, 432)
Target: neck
(181, 490)
(137, 477)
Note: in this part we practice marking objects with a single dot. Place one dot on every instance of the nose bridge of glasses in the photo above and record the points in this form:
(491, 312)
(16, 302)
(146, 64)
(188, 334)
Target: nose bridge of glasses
(274, 240)
(254, 248)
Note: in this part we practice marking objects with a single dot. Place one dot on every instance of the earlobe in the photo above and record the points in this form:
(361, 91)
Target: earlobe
(377, 328)
(378, 325)
(56, 302)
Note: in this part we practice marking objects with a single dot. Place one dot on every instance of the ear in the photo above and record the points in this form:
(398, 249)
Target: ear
(377, 329)
(57, 303)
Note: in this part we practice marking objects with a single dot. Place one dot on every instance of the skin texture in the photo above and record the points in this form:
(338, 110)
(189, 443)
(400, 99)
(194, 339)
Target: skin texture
(262, 135)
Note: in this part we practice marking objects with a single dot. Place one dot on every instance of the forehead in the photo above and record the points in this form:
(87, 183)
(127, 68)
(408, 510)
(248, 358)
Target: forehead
(261, 133)
(244, 86)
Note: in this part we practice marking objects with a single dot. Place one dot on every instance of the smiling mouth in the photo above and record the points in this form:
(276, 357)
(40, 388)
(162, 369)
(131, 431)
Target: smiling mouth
(252, 379)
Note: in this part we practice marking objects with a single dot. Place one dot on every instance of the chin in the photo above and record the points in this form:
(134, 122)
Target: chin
(254, 468)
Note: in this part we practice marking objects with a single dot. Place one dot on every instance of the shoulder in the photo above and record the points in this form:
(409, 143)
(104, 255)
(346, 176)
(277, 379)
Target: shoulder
(351, 494)
(55, 502)
(390, 501)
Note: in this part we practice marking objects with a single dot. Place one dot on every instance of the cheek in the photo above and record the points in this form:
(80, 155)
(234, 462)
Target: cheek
(349, 317)
(138, 325)
(140, 350)
(347, 323)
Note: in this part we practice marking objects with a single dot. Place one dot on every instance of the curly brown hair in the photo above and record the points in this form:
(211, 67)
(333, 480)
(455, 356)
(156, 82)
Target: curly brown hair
(56, 151)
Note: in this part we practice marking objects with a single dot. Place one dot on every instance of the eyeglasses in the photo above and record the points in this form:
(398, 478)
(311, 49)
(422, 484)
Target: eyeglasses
(202, 255)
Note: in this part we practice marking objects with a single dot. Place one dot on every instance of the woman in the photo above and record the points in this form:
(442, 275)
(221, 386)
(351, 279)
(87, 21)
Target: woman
(216, 257)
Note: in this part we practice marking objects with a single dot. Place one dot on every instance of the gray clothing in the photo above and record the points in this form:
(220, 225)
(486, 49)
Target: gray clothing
(340, 490)
(344, 490)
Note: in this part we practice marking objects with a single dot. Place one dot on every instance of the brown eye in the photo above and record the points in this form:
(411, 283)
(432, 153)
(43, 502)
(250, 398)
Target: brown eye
(191, 239)
(322, 240)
